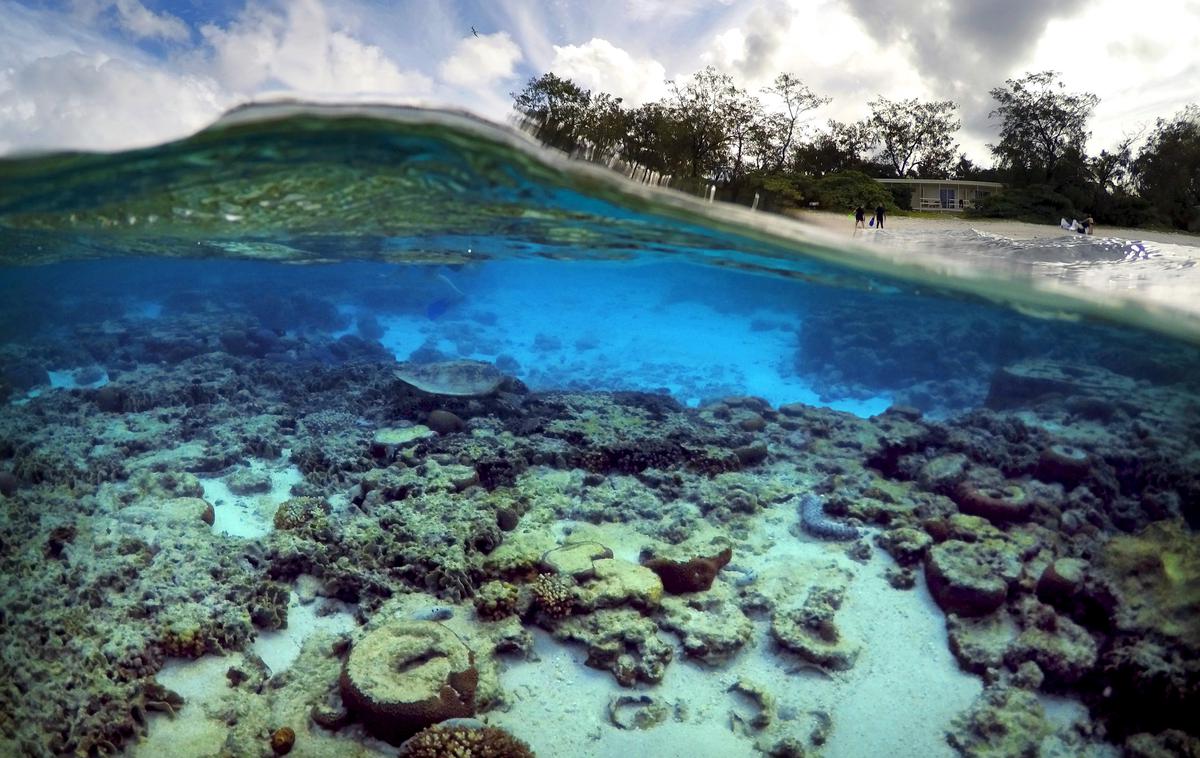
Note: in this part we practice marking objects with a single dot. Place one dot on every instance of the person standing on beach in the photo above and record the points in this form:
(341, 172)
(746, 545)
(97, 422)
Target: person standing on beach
(1089, 225)
(879, 211)
(860, 217)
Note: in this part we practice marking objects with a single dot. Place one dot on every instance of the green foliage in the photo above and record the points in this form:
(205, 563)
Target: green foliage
(555, 108)
(1123, 209)
(849, 189)
(840, 148)
(1167, 171)
(1041, 122)
(783, 191)
(708, 130)
(901, 195)
(1037, 204)
(911, 133)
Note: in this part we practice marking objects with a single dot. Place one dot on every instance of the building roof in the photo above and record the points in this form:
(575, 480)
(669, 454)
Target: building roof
(941, 181)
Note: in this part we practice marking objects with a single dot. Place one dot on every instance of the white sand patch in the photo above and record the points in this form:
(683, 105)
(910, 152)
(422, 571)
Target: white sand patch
(1019, 230)
(191, 732)
(898, 699)
(280, 649)
(250, 516)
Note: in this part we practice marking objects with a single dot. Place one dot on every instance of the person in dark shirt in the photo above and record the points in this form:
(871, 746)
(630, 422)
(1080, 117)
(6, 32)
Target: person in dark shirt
(879, 211)
(860, 217)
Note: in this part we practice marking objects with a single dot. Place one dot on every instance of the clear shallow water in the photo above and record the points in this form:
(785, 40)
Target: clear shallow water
(219, 323)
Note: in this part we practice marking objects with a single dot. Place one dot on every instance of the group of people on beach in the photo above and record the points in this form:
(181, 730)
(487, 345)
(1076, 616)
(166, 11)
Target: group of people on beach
(860, 217)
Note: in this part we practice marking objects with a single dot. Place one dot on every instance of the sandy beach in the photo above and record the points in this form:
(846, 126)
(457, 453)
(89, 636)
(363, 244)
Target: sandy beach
(844, 222)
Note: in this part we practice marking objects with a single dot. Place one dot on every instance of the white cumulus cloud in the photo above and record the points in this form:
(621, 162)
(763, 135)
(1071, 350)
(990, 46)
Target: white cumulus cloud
(300, 52)
(480, 62)
(600, 65)
(75, 100)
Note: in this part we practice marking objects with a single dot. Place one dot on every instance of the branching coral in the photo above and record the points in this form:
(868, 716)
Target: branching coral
(554, 594)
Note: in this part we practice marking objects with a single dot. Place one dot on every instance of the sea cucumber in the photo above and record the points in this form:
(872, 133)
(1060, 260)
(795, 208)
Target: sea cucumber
(746, 576)
(816, 523)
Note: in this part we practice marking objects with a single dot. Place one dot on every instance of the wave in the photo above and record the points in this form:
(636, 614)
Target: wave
(305, 183)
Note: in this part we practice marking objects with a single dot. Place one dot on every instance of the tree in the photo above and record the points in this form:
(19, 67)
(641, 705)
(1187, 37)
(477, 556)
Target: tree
(745, 118)
(797, 99)
(649, 137)
(1041, 123)
(554, 108)
(703, 110)
(910, 132)
(1167, 170)
(840, 148)
(604, 123)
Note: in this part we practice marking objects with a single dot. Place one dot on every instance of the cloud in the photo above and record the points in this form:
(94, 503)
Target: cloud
(134, 18)
(600, 65)
(300, 52)
(480, 62)
(62, 86)
(73, 100)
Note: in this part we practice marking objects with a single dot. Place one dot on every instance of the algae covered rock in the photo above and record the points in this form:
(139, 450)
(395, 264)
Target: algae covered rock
(1156, 575)
(980, 643)
(971, 578)
(387, 440)
(621, 641)
(1001, 723)
(808, 630)
(296, 512)
(999, 503)
(407, 675)
(711, 626)
(907, 545)
(1062, 649)
(575, 559)
(617, 582)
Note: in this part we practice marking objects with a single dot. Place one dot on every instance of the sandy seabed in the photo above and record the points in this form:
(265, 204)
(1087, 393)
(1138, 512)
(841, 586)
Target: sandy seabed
(1017, 230)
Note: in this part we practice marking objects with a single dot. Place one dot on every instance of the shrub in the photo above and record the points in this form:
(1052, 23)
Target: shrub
(1036, 203)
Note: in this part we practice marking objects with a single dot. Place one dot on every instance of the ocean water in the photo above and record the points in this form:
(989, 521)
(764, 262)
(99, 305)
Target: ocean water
(327, 425)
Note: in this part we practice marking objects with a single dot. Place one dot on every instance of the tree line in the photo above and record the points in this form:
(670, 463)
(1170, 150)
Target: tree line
(707, 129)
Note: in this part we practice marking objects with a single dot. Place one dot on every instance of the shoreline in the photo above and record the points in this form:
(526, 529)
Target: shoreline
(844, 222)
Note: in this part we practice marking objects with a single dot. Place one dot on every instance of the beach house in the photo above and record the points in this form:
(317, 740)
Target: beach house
(945, 194)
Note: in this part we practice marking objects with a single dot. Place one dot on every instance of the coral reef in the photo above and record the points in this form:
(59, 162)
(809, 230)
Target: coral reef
(460, 738)
(808, 630)
(496, 600)
(1002, 722)
(553, 594)
(971, 578)
(692, 574)
(407, 675)
(621, 641)
(1054, 529)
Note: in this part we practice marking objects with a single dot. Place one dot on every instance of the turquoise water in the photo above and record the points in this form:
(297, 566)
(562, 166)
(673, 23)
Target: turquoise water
(215, 457)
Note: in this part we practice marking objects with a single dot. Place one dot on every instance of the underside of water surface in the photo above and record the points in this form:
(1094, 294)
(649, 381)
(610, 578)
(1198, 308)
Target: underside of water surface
(327, 431)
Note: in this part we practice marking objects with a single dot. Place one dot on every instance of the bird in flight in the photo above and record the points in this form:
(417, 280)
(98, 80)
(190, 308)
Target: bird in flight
(474, 32)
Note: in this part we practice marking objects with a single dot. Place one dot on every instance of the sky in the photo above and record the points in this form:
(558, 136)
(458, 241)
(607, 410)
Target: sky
(115, 74)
